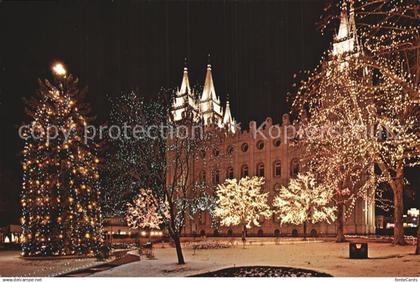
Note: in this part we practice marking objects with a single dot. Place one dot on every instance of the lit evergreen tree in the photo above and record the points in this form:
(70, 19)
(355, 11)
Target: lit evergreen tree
(60, 195)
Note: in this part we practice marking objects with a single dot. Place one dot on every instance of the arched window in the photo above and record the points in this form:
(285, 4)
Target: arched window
(229, 173)
(294, 167)
(216, 152)
(260, 145)
(229, 150)
(244, 171)
(260, 169)
(277, 168)
(244, 147)
(216, 176)
(202, 176)
(202, 154)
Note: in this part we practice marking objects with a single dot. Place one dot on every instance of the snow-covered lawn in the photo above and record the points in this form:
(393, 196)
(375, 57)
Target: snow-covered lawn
(329, 257)
(11, 264)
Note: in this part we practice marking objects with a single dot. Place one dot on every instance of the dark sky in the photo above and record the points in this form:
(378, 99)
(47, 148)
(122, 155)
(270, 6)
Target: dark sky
(114, 46)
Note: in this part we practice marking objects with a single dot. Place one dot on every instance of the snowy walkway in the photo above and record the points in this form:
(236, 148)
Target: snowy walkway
(328, 257)
(12, 264)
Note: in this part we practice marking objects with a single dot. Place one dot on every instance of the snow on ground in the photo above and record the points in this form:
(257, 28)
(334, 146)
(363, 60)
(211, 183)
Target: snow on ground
(329, 257)
(12, 264)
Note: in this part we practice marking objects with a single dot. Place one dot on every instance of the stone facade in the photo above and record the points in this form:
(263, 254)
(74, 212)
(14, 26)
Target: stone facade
(264, 152)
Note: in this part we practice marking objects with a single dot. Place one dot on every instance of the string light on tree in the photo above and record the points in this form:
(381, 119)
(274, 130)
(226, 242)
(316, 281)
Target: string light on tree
(56, 217)
(242, 203)
(304, 201)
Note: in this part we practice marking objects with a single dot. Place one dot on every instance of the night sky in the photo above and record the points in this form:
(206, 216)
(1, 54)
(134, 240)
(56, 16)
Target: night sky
(114, 46)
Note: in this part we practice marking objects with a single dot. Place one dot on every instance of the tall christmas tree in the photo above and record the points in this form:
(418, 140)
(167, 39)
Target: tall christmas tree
(60, 195)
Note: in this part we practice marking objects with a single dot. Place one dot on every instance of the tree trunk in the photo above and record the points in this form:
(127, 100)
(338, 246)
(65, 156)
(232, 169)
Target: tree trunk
(244, 236)
(179, 254)
(304, 231)
(340, 224)
(149, 232)
(398, 211)
(418, 241)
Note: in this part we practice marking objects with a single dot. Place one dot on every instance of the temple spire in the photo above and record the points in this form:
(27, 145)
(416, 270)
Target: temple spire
(209, 93)
(228, 121)
(343, 30)
(346, 41)
(185, 84)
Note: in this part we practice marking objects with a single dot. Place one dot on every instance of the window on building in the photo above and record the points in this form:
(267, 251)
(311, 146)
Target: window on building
(244, 147)
(229, 150)
(260, 169)
(216, 176)
(277, 168)
(216, 152)
(244, 171)
(294, 167)
(202, 154)
(277, 142)
(229, 173)
(260, 145)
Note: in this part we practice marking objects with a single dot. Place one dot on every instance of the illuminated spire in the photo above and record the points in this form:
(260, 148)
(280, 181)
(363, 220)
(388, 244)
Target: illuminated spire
(209, 93)
(343, 30)
(185, 84)
(346, 41)
(184, 98)
(228, 121)
(210, 107)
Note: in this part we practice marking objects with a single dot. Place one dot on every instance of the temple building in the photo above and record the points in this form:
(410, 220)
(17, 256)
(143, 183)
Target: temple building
(264, 150)
(206, 106)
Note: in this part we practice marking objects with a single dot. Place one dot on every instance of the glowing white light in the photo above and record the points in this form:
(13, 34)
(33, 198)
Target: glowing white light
(59, 69)
(413, 212)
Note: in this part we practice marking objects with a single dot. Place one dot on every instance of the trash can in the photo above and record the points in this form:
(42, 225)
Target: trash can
(358, 250)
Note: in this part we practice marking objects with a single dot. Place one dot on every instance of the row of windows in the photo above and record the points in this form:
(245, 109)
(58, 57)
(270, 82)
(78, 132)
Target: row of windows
(260, 171)
(244, 148)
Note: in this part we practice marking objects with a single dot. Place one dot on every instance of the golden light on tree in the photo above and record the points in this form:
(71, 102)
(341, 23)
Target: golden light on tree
(242, 203)
(59, 69)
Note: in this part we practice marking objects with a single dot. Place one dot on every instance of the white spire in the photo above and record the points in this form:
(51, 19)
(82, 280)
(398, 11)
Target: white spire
(228, 121)
(210, 107)
(209, 93)
(227, 118)
(185, 84)
(343, 30)
(346, 41)
(184, 97)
